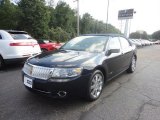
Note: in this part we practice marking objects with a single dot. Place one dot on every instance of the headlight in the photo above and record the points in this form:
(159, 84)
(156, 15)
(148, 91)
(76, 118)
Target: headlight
(66, 72)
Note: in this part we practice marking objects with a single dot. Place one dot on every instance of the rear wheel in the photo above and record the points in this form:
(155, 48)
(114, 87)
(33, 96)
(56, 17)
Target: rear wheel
(95, 86)
(132, 66)
(1, 63)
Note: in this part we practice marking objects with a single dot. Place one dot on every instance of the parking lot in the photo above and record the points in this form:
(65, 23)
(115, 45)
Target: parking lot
(129, 97)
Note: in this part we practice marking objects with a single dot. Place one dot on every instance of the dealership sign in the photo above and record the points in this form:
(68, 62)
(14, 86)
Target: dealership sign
(125, 14)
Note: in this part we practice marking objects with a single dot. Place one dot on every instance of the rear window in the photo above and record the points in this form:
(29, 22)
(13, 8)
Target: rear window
(20, 36)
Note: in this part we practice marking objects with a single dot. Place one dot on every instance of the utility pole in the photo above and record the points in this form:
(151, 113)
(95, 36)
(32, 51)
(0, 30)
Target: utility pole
(77, 17)
(107, 16)
(129, 27)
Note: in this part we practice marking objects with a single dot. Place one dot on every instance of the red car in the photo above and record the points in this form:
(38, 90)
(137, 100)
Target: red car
(47, 45)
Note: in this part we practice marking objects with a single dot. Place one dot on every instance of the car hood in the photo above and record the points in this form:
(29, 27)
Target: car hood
(64, 58)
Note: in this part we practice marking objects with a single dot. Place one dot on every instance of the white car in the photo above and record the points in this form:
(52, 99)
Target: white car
(135, 42)
(16, 45)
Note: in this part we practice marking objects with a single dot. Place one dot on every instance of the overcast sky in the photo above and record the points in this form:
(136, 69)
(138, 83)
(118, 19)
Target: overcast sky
(147, 15)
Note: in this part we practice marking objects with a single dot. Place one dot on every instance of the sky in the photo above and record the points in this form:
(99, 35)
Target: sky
(147, 16)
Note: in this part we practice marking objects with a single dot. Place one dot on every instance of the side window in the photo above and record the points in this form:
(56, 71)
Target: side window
(114, 43)
(124, 43)
(0, 36)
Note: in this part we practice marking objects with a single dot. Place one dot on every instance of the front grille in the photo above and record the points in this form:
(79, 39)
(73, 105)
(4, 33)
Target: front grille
(37, 71)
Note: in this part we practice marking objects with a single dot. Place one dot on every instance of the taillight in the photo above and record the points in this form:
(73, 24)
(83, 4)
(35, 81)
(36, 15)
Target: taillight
(23, 44)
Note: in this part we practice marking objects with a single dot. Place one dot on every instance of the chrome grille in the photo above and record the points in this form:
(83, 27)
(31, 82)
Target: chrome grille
(37, 71)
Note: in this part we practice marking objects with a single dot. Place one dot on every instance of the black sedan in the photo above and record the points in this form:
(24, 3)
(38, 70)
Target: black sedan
(81, 66)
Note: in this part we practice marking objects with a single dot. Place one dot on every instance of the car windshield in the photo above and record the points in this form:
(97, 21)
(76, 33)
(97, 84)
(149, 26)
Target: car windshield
(87, 43)
(20, 36)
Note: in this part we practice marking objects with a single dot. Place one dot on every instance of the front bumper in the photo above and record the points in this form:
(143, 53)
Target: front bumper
(76, 86)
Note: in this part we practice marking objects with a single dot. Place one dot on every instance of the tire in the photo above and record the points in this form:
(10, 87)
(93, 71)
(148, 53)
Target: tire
(95, 86)
(1, 63)
(132, 66)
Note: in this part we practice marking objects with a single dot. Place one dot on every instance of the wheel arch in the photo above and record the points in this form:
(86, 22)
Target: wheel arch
(103, 70)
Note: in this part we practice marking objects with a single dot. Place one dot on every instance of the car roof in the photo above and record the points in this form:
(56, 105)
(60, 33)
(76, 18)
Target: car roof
(16, 31)
(109, 34)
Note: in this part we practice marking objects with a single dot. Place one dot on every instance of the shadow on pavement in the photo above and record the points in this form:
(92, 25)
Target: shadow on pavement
(12, 67)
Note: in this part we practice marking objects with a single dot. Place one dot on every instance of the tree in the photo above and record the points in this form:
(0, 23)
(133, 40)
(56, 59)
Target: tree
(144, 35)
(135, 35)
(52, 21)
(64, 17)
(90, 25)
(112, 29)
(42, 19)
(35, 18)
(156, 35)
(58, 35)
(9, 15)
(50, 3)
(99, 27)
(139, 35)
(87, 23)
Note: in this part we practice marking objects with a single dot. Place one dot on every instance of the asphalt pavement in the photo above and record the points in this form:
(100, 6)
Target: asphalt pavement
(128, 97)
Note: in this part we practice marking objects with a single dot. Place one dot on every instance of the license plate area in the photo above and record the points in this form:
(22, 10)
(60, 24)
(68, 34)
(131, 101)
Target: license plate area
(28, 82)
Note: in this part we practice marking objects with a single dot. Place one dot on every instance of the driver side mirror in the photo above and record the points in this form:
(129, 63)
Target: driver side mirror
(109, 52)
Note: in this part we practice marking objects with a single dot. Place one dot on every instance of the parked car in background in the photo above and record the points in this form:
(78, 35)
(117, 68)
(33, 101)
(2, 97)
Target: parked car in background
(139, 41)
(146, 42)
(80, 67)
(157, 42)
(47, 45)
(135, 42)
(16, 46)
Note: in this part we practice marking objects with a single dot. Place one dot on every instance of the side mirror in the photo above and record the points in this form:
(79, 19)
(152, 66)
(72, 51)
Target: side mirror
(109, 52)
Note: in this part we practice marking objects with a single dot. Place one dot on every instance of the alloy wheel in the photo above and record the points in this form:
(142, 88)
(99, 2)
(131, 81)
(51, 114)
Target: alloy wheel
(96, 85)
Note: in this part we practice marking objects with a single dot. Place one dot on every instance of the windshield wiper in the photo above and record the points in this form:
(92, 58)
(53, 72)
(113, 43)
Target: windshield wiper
(76, 49)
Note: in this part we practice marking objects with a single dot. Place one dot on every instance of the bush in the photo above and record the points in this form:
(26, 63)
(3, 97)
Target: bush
(58, 34)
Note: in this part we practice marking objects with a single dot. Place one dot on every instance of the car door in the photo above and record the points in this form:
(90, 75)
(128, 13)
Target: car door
(126, 52)
(114, 60)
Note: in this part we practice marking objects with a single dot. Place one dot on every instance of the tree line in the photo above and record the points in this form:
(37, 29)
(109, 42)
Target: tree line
(43, 21)
(143, 35)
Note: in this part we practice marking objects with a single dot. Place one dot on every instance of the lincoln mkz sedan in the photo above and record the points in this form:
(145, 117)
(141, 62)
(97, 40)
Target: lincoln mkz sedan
(80, 67)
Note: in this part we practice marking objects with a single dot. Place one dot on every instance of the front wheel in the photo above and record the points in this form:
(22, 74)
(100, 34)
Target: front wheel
(95, 86)
(132, 66)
